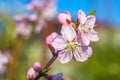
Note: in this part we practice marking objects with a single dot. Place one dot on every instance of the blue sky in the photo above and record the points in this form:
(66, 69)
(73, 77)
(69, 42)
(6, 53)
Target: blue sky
(107, 10)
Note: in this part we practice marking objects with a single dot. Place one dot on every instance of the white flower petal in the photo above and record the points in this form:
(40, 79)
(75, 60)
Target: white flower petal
(59, 43)
(81, 16)
(82, 39)
(90, 22)
(79, 55)
(65, 56)
(92, 35)
(82, 55)
(87, 50)
(68, 32)
(69, 16)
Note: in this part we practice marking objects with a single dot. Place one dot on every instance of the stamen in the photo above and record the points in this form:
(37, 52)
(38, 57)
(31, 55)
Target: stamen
(72, 45)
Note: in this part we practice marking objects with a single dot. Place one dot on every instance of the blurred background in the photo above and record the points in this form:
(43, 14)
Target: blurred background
(24, 25)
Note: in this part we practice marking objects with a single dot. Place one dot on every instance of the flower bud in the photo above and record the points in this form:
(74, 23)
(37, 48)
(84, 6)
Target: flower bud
(30, 74)
(64, 18)
(37, 67)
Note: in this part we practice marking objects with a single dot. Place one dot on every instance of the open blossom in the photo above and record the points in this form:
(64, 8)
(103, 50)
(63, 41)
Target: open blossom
(23, 30)
(69, 47)
(45, 9)
(23, 25)
(86, 33)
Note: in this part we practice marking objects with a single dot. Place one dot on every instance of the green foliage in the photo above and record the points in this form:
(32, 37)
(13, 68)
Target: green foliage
(7, 30)
(92, 12)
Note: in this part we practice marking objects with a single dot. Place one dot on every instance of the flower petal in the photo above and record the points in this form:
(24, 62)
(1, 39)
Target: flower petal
(90, 22)
(82, 39)
(51, 37)
(65, 56)
(92, 35)
(81, 16)
(68, 32)
(82, 55)
(87, 50)
(59, 43)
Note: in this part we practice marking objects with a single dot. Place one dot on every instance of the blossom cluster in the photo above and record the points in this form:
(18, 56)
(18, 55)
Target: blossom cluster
(73, 42)
(39, 11)
(75, 38)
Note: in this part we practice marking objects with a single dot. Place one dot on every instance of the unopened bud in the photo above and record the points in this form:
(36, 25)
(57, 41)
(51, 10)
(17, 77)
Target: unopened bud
(64, 18)
(30, 74)
(37, 67)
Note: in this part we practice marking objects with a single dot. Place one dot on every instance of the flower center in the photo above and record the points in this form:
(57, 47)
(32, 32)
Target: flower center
(72, 45)
(85, 29)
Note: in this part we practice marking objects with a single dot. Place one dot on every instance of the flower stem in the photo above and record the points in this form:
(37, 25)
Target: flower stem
(50, 61)
(54, 57)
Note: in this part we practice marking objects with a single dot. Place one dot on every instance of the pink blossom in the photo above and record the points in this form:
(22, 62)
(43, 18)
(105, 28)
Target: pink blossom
(63, 17)
(46, 11)
(30, 74)
(23, 30)
(37, 67)
(69, 47)
(86, 33)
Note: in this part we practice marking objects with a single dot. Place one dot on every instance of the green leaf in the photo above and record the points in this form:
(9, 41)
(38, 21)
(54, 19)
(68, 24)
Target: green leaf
(92, 12)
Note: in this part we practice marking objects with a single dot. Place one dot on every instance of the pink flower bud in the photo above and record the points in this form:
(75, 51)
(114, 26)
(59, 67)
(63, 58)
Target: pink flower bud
(30, 74)
(37, 67)
(64, 18)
